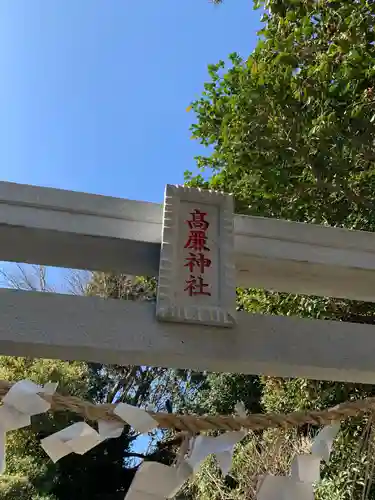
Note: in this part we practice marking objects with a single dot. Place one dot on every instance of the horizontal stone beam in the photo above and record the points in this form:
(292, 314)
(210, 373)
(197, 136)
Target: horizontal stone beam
(78, 230)
(125, 332)
(85, 231)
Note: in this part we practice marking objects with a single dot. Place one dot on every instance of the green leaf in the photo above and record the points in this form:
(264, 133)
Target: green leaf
(287, 59)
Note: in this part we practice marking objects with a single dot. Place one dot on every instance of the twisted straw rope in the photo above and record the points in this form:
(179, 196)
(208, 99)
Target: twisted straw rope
(194, 423)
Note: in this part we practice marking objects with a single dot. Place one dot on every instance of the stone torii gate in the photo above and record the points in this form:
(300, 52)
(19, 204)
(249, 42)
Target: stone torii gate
(200, 252)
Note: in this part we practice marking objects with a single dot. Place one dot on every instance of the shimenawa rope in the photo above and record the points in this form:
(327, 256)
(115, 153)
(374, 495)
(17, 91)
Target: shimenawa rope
(198, 423)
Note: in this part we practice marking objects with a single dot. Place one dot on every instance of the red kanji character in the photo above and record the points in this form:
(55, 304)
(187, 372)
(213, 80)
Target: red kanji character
(198, 260)
(197, 241)
(196, 286)
(198, 220)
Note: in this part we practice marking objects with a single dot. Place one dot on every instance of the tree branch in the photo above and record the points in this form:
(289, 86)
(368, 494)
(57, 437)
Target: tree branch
(135, 455)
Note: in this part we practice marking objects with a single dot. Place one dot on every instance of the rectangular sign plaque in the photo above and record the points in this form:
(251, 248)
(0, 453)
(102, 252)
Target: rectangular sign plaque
(197, 273)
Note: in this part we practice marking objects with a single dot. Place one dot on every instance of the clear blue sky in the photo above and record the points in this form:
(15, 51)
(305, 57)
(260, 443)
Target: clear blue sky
(93, 93)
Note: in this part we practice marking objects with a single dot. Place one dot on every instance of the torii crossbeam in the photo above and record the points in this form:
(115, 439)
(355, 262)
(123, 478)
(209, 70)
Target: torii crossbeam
(78, 230)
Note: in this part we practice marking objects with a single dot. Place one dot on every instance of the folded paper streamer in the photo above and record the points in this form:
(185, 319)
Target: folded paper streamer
(224, 459)
(305, 471)
(50, 388)
(77, 438)
(240, 409)
(306, 468)
(21, 402)
(141, 495)
(138, 418)
(109, 429)
(221, 446)
(80, 437)
(284, 488)
(12, 419)
(154, 481)
(323, 441)
(23, 397)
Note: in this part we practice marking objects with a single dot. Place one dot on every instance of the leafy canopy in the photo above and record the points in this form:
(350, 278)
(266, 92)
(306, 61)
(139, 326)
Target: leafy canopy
(292, 126)
(290, 131)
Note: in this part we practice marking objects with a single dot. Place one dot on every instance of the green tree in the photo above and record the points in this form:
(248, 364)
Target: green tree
(292, 126)
(290, 131)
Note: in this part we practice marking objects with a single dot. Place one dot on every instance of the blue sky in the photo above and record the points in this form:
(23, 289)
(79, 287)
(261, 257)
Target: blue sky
(93, 93)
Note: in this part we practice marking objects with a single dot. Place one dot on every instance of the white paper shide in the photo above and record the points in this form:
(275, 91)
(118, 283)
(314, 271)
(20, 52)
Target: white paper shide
(304, 473)
(21, 402)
